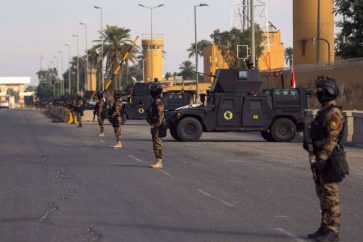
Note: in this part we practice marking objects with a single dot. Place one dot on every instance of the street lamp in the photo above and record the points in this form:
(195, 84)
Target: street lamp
(86, 75)
(69, 68)
(253, 36)
(318, 35)
(62, 85)
(151, 33)
(76, 36)
(196, 47)
(102, 79)
(57, 68)
(316, 41)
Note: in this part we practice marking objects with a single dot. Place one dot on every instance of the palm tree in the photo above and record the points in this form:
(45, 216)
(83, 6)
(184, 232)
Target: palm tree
(187, 70)
(289, 56)
(201, 46)
(116, 43)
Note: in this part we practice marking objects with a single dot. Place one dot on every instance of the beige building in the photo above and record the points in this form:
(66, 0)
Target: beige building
(273, 52)
(305, 30)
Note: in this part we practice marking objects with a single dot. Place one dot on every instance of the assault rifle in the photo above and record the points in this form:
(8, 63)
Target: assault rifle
(308, 145)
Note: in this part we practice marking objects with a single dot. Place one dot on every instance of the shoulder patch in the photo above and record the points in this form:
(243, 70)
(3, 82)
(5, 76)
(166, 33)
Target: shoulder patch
(334, 122)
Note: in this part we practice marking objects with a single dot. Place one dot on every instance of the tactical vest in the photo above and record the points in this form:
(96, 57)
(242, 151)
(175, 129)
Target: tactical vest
(153, 114)
(319, 129)
(336, 167)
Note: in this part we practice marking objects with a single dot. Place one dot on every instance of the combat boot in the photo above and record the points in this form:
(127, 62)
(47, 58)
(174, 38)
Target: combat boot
(158, 164)
(328, 236)
(101, 134)
(118, 145)
(317, 233)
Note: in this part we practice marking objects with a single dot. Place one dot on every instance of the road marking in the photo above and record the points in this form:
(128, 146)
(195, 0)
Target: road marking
(137, 159)
(165, 173)
(287, 233)
(102, 141)
(228, 204)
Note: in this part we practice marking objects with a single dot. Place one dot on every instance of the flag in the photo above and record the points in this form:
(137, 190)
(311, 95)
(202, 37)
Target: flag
(293, 84)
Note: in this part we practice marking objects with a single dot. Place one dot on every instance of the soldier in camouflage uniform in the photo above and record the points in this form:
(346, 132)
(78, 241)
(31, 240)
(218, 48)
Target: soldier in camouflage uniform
(155, 119)
(72, 106)
(116, 118)
(326, 132)
(100, 111)
(79, 110)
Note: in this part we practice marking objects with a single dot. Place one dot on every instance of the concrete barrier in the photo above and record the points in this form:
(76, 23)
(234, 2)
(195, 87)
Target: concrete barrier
(358, 127)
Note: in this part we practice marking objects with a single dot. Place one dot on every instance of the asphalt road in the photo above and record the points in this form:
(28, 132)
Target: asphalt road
(62, 183)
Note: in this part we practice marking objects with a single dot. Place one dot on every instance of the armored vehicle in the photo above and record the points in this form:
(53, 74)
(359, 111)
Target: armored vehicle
(137, 104)
(236, 103)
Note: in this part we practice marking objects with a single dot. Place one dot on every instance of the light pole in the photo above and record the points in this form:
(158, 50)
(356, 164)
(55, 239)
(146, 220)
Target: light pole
(69, 69)
(318, 36)
(253, 41)
(86, 74)
(151, 33)
(76, 36)
(57, 68)
(196, 47)
(62, 85)
(316, 41)
(102, 79)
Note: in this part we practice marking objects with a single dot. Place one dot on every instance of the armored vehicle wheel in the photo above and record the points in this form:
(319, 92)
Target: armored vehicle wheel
(189, 129)
(267, 136)
(174, 134)
(283, 130)
(123, 119)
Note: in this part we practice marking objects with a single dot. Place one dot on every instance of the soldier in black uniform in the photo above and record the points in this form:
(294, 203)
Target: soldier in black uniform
(100, 112)
(79, 110)
(327, 158)
(116, 118)
(156, 120)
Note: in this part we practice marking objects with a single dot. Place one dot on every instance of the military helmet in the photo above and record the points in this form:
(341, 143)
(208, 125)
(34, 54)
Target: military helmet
(99, 95)
(327, 89)
(117, 94)
(156, 87)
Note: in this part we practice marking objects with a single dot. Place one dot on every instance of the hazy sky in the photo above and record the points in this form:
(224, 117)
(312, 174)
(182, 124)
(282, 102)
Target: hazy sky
(31, 28)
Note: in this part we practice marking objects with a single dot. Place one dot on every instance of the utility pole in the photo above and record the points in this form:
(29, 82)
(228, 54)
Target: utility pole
(253, 41)
(69, 68)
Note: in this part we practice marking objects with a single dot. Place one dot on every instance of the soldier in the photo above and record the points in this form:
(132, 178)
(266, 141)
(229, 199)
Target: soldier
(116, 118)
(100, 111)
(79, 110)
(156, 120)
(327, 158)
(72, 106)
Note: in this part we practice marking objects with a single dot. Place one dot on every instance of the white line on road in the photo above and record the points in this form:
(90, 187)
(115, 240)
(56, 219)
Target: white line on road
(102, 141)
(287, 233)
(215, 198)
(165, 173)
(137, 159)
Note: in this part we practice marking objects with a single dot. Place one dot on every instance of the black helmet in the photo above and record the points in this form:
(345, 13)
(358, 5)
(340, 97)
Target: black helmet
(155, 89)
(99, 95)
(327, 89)
(117, 94)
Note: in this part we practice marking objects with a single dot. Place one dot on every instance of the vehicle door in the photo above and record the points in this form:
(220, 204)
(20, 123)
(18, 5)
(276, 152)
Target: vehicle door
(229, 111)
(253, 111)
